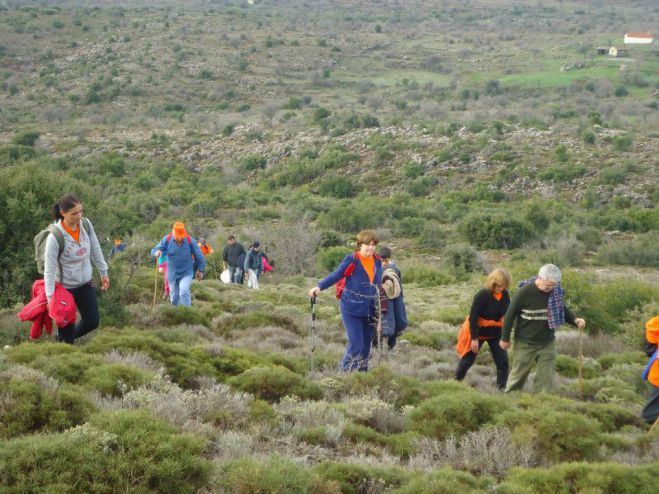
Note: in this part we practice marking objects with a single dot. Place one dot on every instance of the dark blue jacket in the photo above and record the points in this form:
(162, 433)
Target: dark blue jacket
(179, 257)
(359, 296)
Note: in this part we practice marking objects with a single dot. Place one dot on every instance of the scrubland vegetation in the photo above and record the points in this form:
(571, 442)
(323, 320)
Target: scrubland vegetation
(469, 134)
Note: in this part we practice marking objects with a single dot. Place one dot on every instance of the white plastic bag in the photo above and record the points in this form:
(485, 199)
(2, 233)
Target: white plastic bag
(252, 279)
(225, 277)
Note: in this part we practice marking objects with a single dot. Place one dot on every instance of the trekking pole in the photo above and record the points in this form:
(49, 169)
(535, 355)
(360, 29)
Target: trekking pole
(654, 425)
(312, 330)
(155, 287)
(581, 362)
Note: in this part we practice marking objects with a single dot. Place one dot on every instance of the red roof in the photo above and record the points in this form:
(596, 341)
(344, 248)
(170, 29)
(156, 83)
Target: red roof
(639, 35)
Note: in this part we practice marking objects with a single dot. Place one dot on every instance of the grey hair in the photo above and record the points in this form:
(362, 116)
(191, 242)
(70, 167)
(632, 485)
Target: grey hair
(550, 272)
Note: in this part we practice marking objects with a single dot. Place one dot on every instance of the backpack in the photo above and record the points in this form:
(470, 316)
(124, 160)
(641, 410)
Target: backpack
(341, 284)
(40, 244)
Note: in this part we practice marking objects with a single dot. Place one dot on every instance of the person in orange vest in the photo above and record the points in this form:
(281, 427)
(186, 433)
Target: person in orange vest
(651, 374)
(206, 249)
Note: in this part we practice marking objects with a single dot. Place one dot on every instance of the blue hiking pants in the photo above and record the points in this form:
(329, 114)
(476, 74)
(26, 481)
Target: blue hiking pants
(360, 332)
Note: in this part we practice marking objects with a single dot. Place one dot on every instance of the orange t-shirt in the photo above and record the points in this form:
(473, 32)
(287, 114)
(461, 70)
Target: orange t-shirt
(74, 233)
(497, 296)
(369, 266)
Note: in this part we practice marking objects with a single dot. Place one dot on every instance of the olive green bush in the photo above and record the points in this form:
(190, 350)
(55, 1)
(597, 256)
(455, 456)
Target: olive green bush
(273, 383)
(455, 413)
(355, 478)
(611, 478)
(494, 231)
(276, 475)
(125, 451)
(27, 407)
(446, 481)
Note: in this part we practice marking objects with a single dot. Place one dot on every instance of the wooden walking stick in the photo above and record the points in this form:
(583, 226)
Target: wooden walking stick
(654, 425)
(581, 362)
(155, 287)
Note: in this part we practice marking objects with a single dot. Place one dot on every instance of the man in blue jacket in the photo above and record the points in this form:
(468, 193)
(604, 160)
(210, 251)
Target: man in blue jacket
(181, 251)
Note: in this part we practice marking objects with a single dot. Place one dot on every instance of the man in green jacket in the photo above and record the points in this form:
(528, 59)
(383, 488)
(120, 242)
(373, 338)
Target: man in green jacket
(536, 311)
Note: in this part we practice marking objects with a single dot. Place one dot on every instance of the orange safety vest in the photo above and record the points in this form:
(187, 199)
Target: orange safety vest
(652, 335)
(464, 335)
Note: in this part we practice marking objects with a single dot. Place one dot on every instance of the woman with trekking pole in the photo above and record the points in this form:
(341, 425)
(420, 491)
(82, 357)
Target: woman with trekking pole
(359, 280)
(70, 251)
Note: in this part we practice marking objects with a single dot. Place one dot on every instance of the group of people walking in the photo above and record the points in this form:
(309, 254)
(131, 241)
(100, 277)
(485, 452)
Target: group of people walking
(370, 289)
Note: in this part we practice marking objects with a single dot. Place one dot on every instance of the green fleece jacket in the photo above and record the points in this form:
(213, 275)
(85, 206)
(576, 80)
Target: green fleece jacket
(528, 314)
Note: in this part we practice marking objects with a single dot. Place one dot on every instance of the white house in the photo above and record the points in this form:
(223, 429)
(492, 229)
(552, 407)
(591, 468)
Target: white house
(638, 38)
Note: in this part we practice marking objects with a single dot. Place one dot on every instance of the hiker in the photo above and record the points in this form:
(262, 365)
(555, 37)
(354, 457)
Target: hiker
(118, 247)
(359, 304)
(162, 268)
(180, 250)
(253, 264)
(536, 311)
(231, 257)
(483, 324)
(267, 263)
(205, 249)
(394, 318)
(73, 267)
(651, 374)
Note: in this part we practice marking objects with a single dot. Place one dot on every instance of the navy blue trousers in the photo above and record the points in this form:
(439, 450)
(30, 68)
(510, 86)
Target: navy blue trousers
(360, 332)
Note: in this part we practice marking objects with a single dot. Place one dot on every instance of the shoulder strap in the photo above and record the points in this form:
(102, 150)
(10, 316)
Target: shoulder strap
(57, 233)
(86, 225)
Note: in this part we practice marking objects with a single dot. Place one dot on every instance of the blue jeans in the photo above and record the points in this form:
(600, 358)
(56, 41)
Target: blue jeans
(87, 305)
(236, 273)
(360, 332)
(179, 290)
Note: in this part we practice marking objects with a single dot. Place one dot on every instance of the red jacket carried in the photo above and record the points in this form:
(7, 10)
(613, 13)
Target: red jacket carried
(62, 308)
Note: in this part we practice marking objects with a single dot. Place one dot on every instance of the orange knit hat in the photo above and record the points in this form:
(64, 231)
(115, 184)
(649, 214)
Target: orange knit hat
(179, 231)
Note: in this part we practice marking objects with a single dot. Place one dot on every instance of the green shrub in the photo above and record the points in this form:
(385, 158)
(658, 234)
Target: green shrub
(462, 258)
(569, 367)
(252, 162)
(447, 481)
(402, 445)
(356, 479)
(26, 407)
(119, 452)
(114, 379)
(26, 138)
(257, 319)
(341, 187)
(494, 231)
(174, 315)
(273, 383)
(611, 478)
(557, 435)
(455, 413)
(426, 276)
(276, 475)
(623, 142)
(641, 251)
(330, 258)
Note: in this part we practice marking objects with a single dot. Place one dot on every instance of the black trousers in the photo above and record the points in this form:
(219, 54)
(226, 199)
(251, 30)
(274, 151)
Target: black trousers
(651, 409)
(87, 305)
(499, 355)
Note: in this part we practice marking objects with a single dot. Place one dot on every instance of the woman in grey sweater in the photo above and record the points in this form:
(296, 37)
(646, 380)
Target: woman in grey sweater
(70, 252)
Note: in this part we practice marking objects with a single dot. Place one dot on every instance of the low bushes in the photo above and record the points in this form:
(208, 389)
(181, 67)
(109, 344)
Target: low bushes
(446, 481)
(455, 413)
(27, 407)
(249, 475)
(120, 452)
(273, 383)
(611, 478)
(356, 479)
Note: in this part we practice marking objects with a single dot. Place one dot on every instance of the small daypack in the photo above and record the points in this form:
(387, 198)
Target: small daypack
(40, 244)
